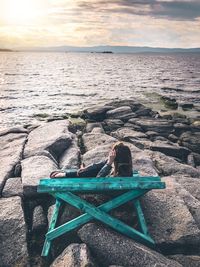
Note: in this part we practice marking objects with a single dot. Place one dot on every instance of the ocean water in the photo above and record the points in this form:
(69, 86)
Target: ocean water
(58, 83)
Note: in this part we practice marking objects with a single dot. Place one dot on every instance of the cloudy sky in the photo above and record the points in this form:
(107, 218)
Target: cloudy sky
(157, 23)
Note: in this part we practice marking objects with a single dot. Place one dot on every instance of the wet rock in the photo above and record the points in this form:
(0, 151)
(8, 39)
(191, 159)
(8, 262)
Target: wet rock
(169, 219)
(191, 140)
(173, 138)
(163, 127)
(186, 260)
(33, 169)
(111, 248)
(71, 157)
(123, 113)
(167, 165)
(97, 113)
(112, 124)
(169, 102)
(186, 106)
(10, 155)
(92, 140)
(53, 137)
(13, 187)
(144, 112)
(90, 126)
(75, 255)
(12, 233)
(39, 219)
(125, 134)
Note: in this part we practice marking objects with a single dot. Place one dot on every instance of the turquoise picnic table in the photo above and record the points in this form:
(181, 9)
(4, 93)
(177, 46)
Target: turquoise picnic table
(128, 189)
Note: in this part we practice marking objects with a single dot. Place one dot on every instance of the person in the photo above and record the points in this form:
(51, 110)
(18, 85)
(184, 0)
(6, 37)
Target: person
(118, 163)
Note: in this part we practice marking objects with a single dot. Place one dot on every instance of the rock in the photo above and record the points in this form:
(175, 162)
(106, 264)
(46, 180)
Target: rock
(97, 113)
(90, 126)
(10, 155)
(190, 160)
(111, 248)
(53, 137)
(92, 140)
(170, 150)
(75, 255)
(144, 112)
(125, 134)
(180, 128)
(97, 154)
(112, 124)
(186, 260)
(186, 106)
(132, 126)
(163, 127)
(123, 113)
(169, 102)
(169, 220)
(39, 219)
(33, 169)
(12, 233)
(168, 166)
(71, 157)
(196, 157)
(134, 105)
(191, 141)
(13, 187)
(98, 130)
(173, 138)
(14, 130)
(143, 164)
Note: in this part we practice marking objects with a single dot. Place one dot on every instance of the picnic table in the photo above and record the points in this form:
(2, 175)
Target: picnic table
(129, 189)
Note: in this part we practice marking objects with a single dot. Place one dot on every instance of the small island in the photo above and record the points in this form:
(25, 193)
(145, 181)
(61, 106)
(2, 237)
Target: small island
(5, 50)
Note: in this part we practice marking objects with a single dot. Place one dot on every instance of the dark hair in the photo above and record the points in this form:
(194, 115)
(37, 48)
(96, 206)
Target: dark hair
(123, 160)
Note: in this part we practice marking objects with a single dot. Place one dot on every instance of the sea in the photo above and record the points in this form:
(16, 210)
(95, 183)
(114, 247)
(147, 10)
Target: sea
(36, 85)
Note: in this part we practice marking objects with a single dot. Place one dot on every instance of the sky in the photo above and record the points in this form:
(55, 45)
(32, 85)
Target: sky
(155, 23)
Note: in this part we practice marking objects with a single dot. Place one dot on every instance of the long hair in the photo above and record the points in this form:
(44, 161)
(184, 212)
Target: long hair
(123, 160)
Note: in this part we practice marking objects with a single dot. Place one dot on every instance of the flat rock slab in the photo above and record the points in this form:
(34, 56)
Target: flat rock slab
(75, 255)
(13, 250)
(163, 127)
(169, 219)
(191, 140)
(13, 187)
(53, 137)
(10, 154)
(126, 133)
(123, 113)
(111, 248)
(92, 140)
(169, 166)
(33, 169)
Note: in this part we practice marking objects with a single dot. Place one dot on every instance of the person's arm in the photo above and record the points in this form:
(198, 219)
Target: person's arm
(108, 165)
(91, 170)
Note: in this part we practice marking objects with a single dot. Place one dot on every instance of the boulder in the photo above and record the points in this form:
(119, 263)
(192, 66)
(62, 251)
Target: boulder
(168, 166)
(169, 220)
(14, 130)
(53, 137)
(97, 113)
(10, 155)
(134, 105)
(39, 221)
(143, 164)
(71, 157)
(12, 233)
(125, 134)
(112, 124)
(144, 112)
(191, 141)
(13, 187)
(111, 248)
(186, 260)
(123, 113)
(92, 140)
(161, 126)
(90, 126)
(33, 169)
(75, 255)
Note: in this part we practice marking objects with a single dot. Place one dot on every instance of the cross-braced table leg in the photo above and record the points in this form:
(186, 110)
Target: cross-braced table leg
(100, 214)
(47, 243)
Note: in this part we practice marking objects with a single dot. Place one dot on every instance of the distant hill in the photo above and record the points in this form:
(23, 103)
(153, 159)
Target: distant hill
(113, 49)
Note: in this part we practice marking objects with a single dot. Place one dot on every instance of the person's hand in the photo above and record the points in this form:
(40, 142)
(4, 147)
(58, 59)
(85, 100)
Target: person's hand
(82, 167)
(111, 157)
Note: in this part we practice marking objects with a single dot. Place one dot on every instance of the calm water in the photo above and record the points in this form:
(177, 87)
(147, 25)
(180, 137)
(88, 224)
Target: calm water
(56, 83)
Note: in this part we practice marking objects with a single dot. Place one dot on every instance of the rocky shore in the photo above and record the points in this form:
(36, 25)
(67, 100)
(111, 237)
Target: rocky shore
(168, 146)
